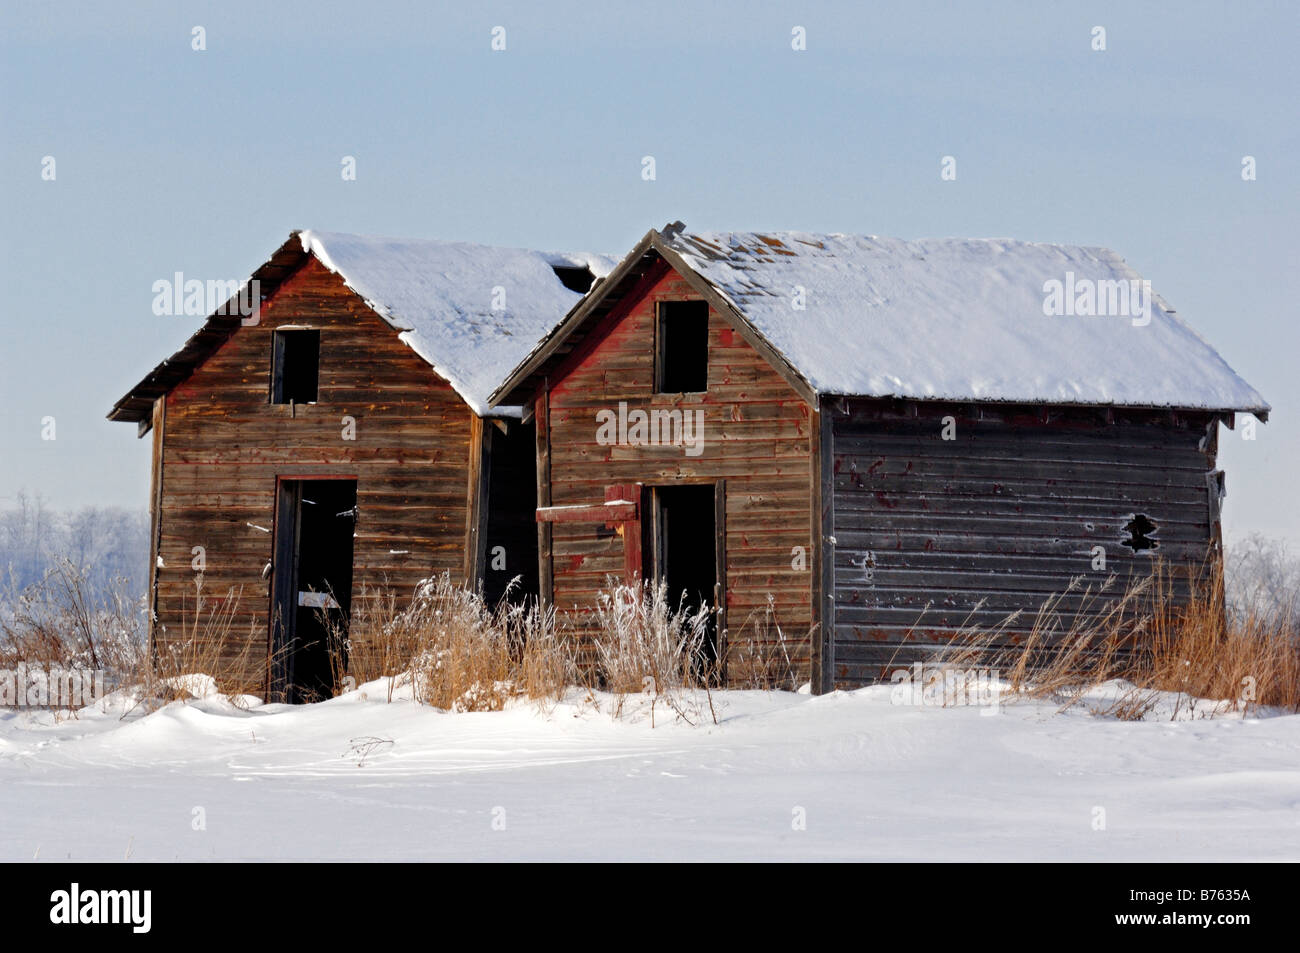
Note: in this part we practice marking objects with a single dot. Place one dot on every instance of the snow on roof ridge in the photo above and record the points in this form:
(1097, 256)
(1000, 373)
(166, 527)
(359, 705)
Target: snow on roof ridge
(957, 318)
(469, 310)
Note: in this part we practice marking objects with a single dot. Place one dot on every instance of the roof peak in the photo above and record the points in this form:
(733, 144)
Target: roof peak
(469, 310)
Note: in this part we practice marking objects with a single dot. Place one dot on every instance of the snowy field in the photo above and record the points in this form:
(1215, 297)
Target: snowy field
(865, 777)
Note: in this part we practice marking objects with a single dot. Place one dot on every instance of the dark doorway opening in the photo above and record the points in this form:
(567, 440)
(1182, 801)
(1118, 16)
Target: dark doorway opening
(510, 552)
(312, 589)
(686, 553)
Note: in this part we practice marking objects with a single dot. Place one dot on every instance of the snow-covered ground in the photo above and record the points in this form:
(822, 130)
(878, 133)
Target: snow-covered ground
(851, 775)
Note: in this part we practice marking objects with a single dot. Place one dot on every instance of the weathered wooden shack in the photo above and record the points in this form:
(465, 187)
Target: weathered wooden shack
(870, 443)
(328, 429)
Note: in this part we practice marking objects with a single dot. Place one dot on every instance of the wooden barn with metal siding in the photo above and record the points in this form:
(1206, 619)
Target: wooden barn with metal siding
(897, 438)
(340, 438)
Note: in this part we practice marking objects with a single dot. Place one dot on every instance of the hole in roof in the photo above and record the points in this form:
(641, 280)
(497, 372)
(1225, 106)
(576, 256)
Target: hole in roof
(575, 277)
(1141, 531)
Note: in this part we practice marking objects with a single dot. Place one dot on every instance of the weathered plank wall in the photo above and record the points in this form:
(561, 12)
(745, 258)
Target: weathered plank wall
(758, 436)
(933, 534)
(225, 444)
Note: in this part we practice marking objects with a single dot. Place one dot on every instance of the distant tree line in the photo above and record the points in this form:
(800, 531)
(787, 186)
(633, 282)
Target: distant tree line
(1263, 574)
(110, 545)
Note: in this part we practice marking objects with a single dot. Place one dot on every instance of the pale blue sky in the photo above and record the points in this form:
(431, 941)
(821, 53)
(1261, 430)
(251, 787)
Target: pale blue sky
(202, 162)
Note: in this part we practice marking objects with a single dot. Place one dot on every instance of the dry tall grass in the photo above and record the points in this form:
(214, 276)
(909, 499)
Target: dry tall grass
(209, 641)
(377, 643)
(643, 644)
(763, 661)
(55, 624)
(454, 651)
(1197, 648)
(458, 654)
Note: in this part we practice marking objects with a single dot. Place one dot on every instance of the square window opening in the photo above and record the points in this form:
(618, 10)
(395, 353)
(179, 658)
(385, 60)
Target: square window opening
(295, 367)
(682, 347)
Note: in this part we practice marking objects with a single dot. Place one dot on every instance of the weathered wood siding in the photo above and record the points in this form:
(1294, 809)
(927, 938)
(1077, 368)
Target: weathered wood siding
(758, 435)
(224, 444)
(933, 534)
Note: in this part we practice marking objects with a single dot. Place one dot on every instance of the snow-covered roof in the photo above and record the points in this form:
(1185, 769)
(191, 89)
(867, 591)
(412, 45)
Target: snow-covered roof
(472, 311)
(958, 319)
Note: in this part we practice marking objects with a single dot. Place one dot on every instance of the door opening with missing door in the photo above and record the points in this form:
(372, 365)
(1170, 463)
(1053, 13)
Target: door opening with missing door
(685, 553)
(312, 589)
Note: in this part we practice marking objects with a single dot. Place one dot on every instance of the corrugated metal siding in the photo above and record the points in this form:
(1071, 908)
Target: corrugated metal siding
(933, 534)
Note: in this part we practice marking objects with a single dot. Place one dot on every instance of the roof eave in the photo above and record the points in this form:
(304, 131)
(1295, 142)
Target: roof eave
(1260, 411)
(137, 404)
